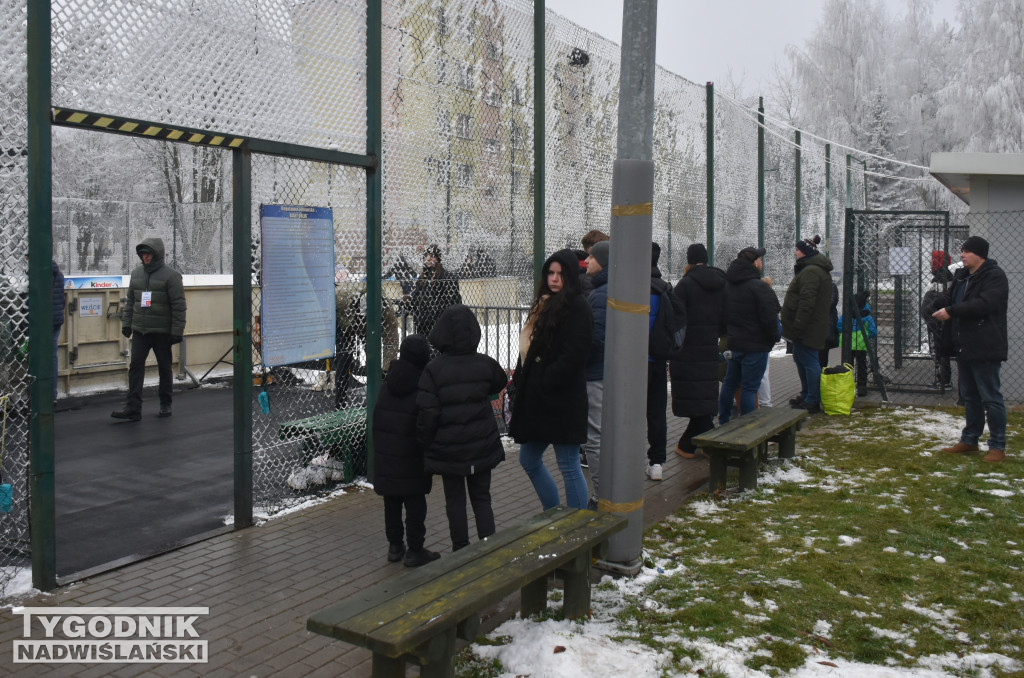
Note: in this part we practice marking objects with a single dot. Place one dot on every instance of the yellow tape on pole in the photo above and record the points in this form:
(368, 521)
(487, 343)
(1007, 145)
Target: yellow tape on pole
(638, 210)
(628, 307)
(613, 507)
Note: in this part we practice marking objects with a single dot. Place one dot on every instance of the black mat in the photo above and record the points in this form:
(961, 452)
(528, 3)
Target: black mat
(127, 490)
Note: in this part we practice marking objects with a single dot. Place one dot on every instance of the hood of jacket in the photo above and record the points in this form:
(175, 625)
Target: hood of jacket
(157, 246)
(741, 270)
(819, 260)
(456, 331)
(600, 279)
(708, 278)
(403, 377)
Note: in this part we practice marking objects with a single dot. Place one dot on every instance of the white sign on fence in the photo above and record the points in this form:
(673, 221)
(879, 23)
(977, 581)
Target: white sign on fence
(90, 306)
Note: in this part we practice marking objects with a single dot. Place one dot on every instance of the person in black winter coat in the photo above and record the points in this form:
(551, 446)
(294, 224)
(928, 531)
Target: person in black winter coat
(694, 369)
(753, 330)
(934, 299)
(435, 290)
(456, 422)
(549, 405)
(398, 473)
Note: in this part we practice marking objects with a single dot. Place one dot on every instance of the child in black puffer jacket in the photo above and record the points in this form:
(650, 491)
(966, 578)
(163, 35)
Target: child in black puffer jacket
(456, 423)
(398, 473)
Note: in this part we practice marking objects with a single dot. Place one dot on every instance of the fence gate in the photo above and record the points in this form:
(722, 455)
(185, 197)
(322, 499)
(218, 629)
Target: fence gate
(893, 256)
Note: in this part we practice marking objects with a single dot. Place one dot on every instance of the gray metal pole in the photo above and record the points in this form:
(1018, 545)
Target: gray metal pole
(623, 423)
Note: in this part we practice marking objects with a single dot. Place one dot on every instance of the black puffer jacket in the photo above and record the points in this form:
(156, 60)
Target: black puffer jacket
(431, 295)
(977, 327)
(456, 421)
(694, 369)
(753, 323)
(166, 312)
(398, 461)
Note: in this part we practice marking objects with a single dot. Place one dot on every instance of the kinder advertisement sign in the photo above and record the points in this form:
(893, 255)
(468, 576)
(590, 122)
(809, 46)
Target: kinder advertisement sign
(92, 282)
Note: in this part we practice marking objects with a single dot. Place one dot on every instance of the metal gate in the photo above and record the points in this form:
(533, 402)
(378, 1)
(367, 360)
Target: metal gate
(897, 257)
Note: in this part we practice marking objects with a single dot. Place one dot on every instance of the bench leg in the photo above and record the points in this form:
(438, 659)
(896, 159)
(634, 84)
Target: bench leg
(787, 443)
(387, 667)
(718, 469)
(748, 470)
(576, 579)
(442, 647)
(533, 598)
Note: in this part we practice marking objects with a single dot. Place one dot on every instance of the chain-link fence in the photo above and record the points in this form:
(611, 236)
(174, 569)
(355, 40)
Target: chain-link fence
(458, 173)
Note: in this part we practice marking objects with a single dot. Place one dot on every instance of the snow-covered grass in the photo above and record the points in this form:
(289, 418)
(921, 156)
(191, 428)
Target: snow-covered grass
(870, 555)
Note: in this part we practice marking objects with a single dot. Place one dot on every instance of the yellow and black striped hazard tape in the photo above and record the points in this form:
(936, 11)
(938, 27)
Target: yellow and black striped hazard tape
(108, 123)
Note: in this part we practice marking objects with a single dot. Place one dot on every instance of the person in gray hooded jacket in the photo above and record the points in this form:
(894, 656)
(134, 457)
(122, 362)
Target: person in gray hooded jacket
(154, 319)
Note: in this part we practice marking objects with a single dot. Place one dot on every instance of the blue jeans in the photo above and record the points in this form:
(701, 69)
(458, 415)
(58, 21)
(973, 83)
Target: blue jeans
(744, 370)
(531, 458)
(979, 387)
(808, 366)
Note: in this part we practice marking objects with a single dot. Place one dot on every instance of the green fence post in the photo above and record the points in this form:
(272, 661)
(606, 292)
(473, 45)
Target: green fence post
(374, 183)
(709, 95)
(796, 137)
(241, 299)
(42, 497)
(760, 171)
(828, 196)
(539, 136)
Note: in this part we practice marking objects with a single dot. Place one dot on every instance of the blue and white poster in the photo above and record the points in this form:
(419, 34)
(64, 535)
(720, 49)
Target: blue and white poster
(297, 294)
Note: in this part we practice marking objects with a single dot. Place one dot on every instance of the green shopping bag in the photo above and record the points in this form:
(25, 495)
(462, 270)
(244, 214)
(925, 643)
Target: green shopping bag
(837, 389)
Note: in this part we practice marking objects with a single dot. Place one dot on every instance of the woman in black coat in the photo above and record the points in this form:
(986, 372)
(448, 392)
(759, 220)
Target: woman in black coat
(398, 473)
(694, 368)
(550, 384)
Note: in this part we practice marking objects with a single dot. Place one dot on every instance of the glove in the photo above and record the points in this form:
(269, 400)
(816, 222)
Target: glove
(175, 339)
(127, 332)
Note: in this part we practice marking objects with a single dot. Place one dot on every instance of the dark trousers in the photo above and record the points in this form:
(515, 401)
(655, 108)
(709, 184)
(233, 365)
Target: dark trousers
(860, 360)
(479, 487)
(657, 403)
(415, 519)
(160, 344)
(344, 364)
(694, 428)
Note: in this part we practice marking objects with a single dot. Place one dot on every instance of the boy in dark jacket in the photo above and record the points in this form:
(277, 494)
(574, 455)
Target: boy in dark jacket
(860, 334)
(456, 422)
(398, 473)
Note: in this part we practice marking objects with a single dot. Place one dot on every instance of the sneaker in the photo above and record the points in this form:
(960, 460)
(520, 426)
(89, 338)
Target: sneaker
(420, 557)
(583, 460)
(654, 471)
(960, 448)
(126, 414)
(994, 454)
(396, 550)
(165, 411)
(592, 504)
(813, 408)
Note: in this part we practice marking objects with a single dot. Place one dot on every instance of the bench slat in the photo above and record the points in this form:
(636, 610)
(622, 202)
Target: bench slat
(751, 429)
(502, 578)
(324, 621)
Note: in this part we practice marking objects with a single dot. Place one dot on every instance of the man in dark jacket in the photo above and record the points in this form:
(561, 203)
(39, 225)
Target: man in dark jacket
(657, 381)
(976, 318)
(753, 329)
(456, 422)
(694, 369)
(597, 271)
(805, 319)
(154, 319)
(398, 473)
(435, 290)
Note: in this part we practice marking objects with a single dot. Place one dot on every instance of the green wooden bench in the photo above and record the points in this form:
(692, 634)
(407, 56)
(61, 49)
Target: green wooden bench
(343, 431)
(744, 440)
(416, 616)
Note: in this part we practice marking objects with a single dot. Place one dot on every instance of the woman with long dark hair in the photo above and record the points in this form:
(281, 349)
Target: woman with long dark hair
(550, 383)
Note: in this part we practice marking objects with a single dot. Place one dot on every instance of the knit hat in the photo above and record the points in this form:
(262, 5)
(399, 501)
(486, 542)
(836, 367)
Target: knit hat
(600, 252)
(751, 254)
(861, 298)
(697, 254)
(939, 260)
(809, 246)
(415, 350)
(976, 245)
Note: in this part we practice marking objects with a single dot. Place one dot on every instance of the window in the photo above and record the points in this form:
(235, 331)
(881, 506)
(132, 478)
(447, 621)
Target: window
(464, 126)
(442, 24)
(442, 70)
(516, 136)
(492, 51)
(462, 221)
(493, 97)
(464, 175)
(466, 76)
(515, 181)
(517, 94)
(491, 146)
(490, 191)
(444, 123)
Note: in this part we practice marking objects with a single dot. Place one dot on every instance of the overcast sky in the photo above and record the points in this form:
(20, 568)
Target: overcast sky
(705, 40)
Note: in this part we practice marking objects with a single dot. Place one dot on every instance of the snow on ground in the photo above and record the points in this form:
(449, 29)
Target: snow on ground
(20, 584)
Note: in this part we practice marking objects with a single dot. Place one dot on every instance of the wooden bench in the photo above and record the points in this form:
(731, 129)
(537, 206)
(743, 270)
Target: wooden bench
(744, 440)
(416, 616)
(344, 431)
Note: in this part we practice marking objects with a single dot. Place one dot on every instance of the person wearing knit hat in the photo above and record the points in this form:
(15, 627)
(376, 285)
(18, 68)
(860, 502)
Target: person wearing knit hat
(696, 254)
(806, 319)
(600, 252)
(590, 451)
(435, 290)
(974, 331)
